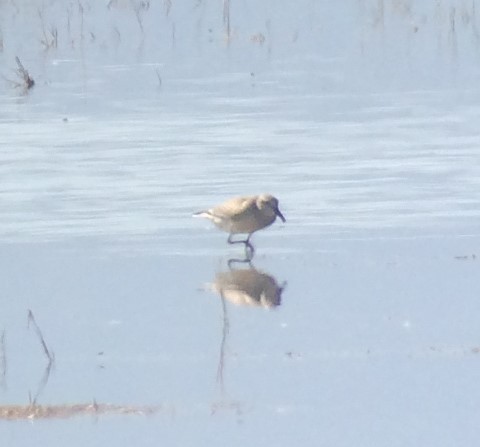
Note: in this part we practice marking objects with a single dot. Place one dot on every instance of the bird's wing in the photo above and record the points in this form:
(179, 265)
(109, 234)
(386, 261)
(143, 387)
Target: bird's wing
(233, 208)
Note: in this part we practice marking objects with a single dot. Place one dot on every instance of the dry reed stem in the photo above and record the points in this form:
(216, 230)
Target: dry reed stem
(27, 81)
(41, 385)
(226, 19)
(225, 331)
(167, 6)
(31, 319)
(138, 8)
(51, 40)
(3, 361)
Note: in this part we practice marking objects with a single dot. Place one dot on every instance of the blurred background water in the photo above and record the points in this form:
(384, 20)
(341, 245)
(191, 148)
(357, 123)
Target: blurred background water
(360, 116)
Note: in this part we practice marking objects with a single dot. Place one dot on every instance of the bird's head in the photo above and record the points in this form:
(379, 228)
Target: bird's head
(267, 201)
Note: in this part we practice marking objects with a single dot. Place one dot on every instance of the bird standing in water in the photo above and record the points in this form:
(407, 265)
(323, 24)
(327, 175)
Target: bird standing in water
(244, 215)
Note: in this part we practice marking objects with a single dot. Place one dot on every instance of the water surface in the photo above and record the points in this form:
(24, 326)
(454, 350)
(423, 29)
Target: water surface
(361, 119)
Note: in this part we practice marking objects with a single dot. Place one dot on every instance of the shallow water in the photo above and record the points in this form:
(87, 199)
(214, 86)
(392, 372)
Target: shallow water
(370, 338)
(362, 120)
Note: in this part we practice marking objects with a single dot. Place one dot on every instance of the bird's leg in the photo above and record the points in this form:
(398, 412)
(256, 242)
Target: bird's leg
(232, 262)
(249, 250)
(230, 241)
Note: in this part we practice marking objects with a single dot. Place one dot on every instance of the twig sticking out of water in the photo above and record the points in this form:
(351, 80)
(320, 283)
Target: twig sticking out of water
(226, 18)
(225, 330)
(117, 34)
(50, 39)
(3, 361)
(167, 5)
(81, 11)
(159, 78)
(50, 356)
(28, 81)
(138, 8)
(41, 385)
(31, 319)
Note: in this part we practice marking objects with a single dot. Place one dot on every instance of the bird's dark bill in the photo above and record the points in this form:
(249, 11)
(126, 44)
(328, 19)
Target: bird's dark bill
(279, 214)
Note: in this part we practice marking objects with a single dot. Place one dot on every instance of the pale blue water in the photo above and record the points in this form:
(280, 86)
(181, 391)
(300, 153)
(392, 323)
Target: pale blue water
(363, 121)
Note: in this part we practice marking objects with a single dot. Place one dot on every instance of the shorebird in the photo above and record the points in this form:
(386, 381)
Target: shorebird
(244, 215)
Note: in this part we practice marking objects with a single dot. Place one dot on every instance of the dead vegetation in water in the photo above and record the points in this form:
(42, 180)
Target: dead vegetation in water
(159, 77)
(3, 362)
(67, 23)
(167, 6)
(445, 15)
(139, 8)
(33, 410)
(50, 35)
(471, 257)
(31, 320)
(22, 73)
(29, 412)
(25, 81)
(226, 20)
(48, 354)
(258, 38)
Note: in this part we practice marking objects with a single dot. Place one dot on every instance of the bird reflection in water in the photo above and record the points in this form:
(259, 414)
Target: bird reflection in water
(248, 287)
(243, 286)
